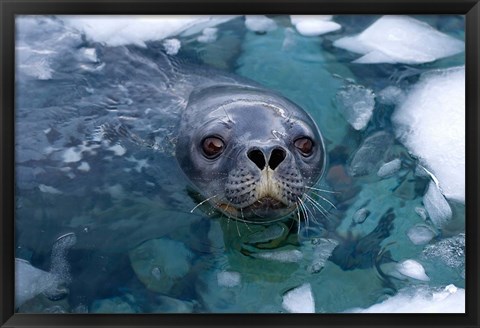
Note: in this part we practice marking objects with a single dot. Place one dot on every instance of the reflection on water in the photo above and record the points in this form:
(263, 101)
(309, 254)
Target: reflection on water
(96, 122)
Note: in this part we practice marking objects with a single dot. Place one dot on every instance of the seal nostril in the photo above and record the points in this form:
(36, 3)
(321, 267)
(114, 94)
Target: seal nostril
(257, 157)
(277, 156)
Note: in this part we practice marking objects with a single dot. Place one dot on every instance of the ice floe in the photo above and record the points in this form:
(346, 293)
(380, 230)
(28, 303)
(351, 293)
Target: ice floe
(450, 251)
(260, 23)
(367, 158)
(431, 124)
(228, 279)
(356, 104)
(314, 25)
(122, 30)
(172, 46)
(208, 35)
(421, 300)
(321, 253)
(31, 281)
(400, 39)
(299, 300)
(421, 234)
(390, 168)
(437, 206)
(287, 256)
(412, 269)
(160, 263)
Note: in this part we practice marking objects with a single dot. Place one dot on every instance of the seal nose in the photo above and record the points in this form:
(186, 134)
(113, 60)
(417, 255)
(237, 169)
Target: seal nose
(258, 157)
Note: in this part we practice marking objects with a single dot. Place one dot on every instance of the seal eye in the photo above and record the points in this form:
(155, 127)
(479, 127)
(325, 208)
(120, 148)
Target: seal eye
(212, 146)
(304, 145)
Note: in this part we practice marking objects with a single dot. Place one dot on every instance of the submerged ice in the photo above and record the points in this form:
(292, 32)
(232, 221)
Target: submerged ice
(400, 39)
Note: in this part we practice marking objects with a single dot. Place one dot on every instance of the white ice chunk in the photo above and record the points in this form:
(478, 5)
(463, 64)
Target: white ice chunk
(84, 166)
(437, 206)
(208, 35)
(356, 104)
(290, 256)
(412, 269)
(118, 150)
(89, 54)
(122, 30)
(321, 253)
(391, 95)
(299, 300)
(389, 168)
(450, 251)
(260, 23)
(228, 279)
(49, 189)
(431, 124)
(172, 46)
(31, 281)
(421, 300)
(360, 215)
(72, 155)
(400, 39)
(314, 25)
(421, 234)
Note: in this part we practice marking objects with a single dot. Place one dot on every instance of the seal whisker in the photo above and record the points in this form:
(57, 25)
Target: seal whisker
(325, 199)
(202, 202)
(305, 215)
(305, 209)
(317, 205)
(324, 190)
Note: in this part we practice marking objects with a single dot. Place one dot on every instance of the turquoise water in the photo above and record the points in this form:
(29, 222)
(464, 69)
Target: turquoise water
(141, 244)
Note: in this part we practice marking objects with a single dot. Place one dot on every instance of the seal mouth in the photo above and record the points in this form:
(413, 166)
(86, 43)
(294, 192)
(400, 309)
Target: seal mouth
(263, 210)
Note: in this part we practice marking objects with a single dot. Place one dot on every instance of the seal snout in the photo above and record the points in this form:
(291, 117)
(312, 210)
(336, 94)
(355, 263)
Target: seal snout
(257, 156)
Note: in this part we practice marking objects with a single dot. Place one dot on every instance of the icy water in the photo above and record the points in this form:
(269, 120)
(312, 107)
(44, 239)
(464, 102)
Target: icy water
(106, 222)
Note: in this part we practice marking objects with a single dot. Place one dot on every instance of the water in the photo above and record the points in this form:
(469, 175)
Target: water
(385, 231)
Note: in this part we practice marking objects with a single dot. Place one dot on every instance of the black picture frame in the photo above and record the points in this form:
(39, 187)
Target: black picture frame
(10, 8)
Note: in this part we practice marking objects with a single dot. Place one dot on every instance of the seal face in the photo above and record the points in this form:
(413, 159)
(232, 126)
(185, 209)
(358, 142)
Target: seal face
(250, 152)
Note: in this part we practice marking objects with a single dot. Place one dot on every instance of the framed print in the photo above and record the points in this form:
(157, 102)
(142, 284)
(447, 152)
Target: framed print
(221, 163)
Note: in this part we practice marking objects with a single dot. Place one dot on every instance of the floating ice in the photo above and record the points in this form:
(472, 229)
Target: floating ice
(118, 150)
(72, 155)
(389, 168)
(291, 256)
(228, 279)
(84, 166)
(31, 281)
(421, 234)
(450, 251)
(122, 30)
(391, 95)
(314, 25)
(412, 269)
(321, 253)
(421, 300)
(172, 46)
(400, 39)
(160, 263)
(361, 215)
(299, 300)
(356, 104)
(260, 23)
(208, 35)
(49, 189)
(371, 152)
(422, 212)
(437, 206)
(431, 124)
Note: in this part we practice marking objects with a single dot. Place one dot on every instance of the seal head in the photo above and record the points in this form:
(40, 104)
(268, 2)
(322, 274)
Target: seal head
(250, 152)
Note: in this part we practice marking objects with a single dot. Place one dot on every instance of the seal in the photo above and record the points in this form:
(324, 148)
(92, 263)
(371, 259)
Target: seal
(249, 151)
